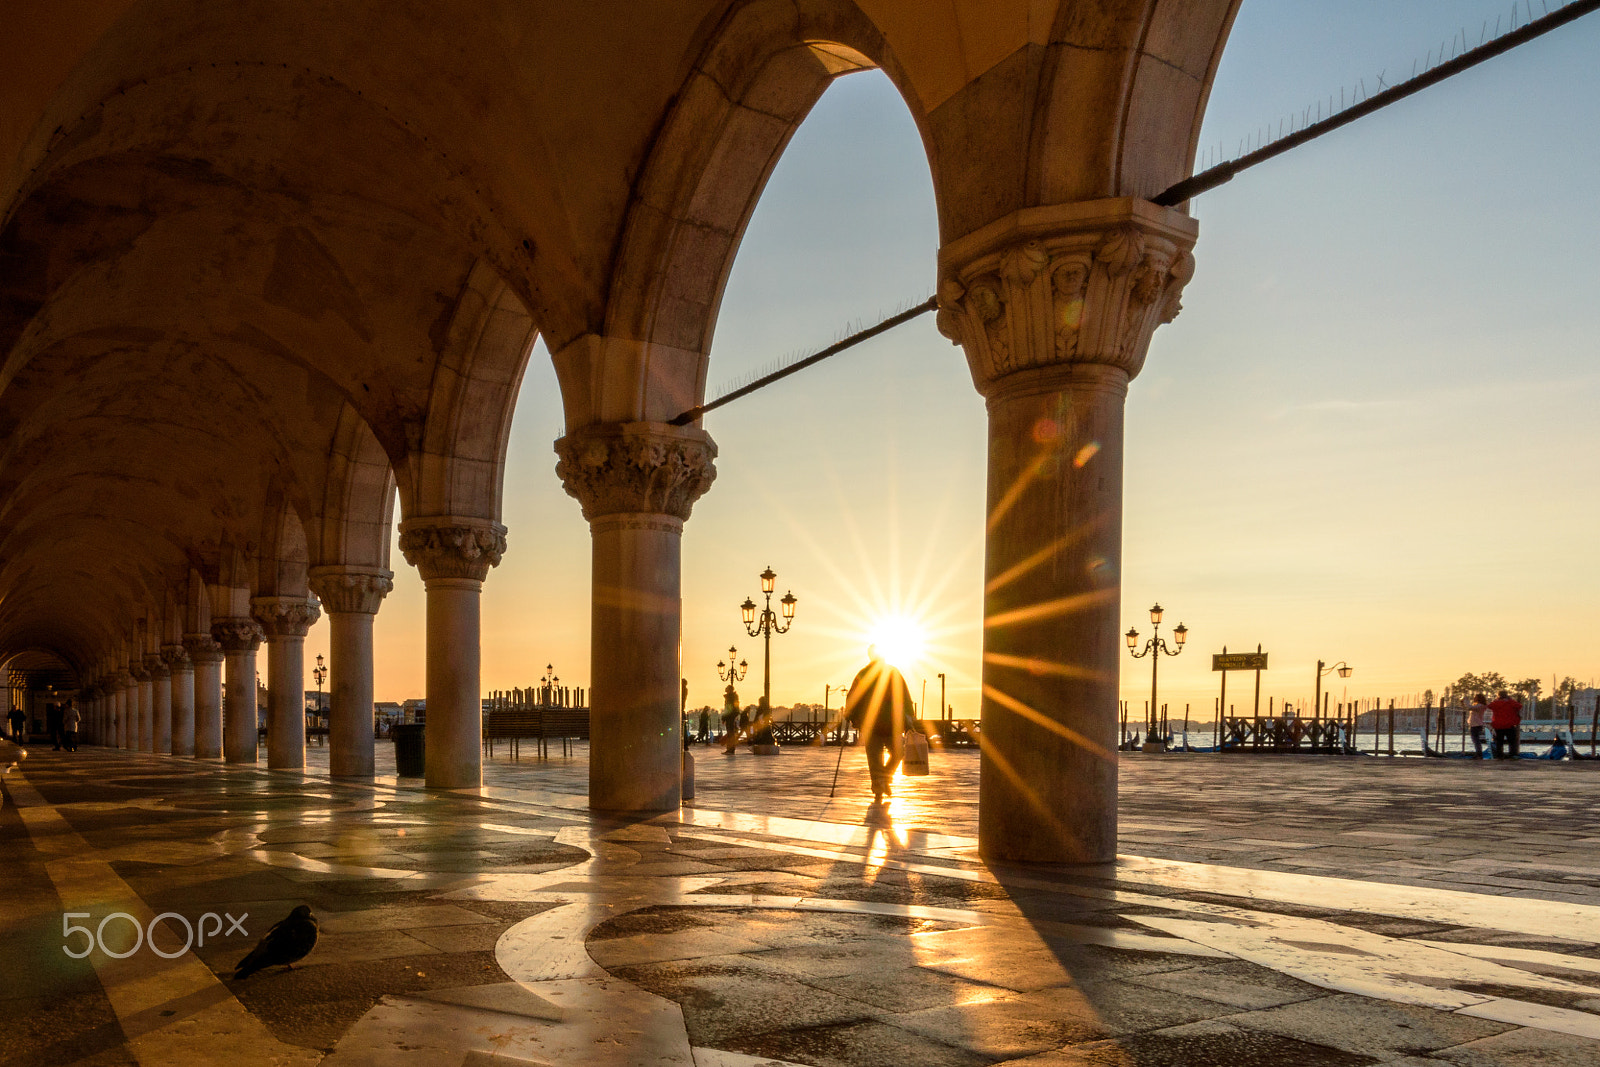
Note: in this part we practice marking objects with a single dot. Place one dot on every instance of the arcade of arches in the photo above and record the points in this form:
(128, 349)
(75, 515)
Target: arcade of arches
(265, 263)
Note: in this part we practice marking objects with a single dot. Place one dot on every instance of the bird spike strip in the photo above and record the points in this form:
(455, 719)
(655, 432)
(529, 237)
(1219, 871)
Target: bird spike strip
(1223, 172)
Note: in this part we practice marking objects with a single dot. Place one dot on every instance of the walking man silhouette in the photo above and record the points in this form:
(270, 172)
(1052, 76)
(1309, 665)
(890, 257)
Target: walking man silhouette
(878, 705)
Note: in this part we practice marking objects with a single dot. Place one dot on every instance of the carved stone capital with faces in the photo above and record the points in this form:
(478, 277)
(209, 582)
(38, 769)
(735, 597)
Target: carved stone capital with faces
(237, 635)
(346, 590)
(285, 616)
(449, 547)
(175, 658)
(1074, 283)
(155, 666)
(636, 468)
(202, 648)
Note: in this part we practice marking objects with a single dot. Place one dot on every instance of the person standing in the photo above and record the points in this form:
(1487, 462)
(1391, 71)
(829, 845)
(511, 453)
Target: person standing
(1477, 712)
(18, 721)
(1506, 719)
(730, 720)
(878, 705)
(704, 733)
(70, 719)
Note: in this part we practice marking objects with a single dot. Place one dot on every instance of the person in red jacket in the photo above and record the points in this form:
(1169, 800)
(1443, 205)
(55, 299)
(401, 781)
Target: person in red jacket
(1507, 722)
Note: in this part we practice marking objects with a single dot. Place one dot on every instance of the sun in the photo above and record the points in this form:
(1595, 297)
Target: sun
(900, 640)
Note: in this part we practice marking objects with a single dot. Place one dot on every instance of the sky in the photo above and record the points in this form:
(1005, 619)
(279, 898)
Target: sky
(1368, 438)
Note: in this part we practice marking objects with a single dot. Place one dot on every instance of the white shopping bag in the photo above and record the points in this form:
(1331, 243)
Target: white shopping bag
(915, 763)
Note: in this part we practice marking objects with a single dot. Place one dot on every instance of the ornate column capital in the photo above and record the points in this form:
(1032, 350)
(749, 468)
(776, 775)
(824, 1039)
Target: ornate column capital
(174, 657)
(443, 546)
(636, 467)
(154, 666)
(127, 680)
(202, 648)
(351, 590)
(1085, 282)
(284, 616)
(237, 634)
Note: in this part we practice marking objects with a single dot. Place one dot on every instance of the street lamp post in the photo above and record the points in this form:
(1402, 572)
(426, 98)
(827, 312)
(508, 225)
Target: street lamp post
(1323, 671)
(1155, 648)
(551, 683)
(764, 628)
(731, 671)
(320, 673)
(827, 716)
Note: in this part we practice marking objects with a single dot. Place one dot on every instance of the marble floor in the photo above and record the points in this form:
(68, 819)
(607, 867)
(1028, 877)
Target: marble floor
(1295, 911)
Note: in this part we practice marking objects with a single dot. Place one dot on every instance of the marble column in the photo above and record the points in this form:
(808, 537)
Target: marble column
(181, 740)
(145, 722)
(351, 596)
(239, 638)
(120, 709)
(636, 483)
(130, 708)
(1055, 307)
(160, 703)
(453, 556)
(285, 620)
(206, 655)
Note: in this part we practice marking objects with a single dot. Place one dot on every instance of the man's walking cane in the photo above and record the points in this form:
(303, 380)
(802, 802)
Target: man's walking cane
(840, 762)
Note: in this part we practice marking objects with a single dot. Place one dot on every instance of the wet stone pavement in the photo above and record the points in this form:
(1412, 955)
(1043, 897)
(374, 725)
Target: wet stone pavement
(1265, 911)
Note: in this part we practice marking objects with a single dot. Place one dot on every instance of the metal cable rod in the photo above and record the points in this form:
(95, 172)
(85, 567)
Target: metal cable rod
(931, 304)
(1212, 177)
(1223, 172)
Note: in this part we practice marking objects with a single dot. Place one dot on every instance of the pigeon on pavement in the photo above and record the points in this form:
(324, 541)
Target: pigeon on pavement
(285, 943)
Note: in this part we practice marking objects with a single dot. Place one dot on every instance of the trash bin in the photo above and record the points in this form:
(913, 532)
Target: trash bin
(410, 749)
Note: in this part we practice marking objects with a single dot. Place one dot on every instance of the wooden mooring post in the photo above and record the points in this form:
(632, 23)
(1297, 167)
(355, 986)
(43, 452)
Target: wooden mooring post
(1391, 727)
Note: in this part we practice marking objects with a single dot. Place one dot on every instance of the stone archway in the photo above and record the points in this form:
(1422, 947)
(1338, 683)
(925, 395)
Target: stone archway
(224, 229)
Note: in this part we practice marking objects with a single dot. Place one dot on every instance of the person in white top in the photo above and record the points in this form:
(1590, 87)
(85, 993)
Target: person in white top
(1477, 715)
(70, 718)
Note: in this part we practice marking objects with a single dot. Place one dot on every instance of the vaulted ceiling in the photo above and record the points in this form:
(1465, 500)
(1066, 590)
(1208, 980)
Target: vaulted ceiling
(229, 232)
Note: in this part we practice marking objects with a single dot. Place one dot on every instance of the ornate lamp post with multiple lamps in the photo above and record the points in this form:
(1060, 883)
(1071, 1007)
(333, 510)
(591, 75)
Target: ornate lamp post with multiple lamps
(320, 673)
(764, 628)
(731, 671)
(1155, 648)
(550, 682)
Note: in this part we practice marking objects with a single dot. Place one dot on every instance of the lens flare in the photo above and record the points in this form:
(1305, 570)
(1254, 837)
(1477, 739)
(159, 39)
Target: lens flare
(900, 640)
